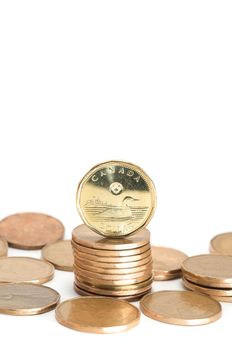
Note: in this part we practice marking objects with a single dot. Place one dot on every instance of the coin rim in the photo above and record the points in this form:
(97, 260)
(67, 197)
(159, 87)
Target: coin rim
(212, 248)
(5, 244)
(56, 265)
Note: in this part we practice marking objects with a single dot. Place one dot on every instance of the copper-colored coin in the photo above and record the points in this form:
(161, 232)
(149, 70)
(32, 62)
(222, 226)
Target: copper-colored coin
(209, 270)
(24, 269)
(97, 315)
(102, 283)
(111, 253)
(207, 290)
(27, 299)
(112, 265)
(180, 307)
(167, 263)
(3, 247)
(222, 244)
(30, 230)
(59, 254)
(88, 238)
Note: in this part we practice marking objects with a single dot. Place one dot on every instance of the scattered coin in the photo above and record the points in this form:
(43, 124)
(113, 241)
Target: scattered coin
(24, 269)
(209, 270)
(97, 315)
(222, 244)
(27, 299)
(59, 254)
(180, 307)
(116, 198)
(3, 247)
(167, 263)
(30, 230)
(220, 292)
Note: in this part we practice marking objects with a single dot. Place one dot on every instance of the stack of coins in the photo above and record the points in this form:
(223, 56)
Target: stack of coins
(112, 253)
(209, 274)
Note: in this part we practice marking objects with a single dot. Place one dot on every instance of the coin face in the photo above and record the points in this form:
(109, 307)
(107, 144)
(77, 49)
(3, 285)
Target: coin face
(59, 254)
(3, 247)
(27, 299)
(209, 270)
(97, 315)
(23, 269)
(222, 244)
(30, 230)
(180, 307)
(116, 198)
(167, 263)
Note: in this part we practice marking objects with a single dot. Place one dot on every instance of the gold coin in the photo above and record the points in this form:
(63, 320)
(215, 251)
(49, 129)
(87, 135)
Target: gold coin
(222, 244)
(111, 253)
(180, 307)
(23, 269)
(167, 263)
(116, 198)
(97, 315)
(207, 290)
(88, 238)
(112, 265)
(59, 254)
(103, 282)
(30, 230)
(209, 270)
(27, 299)
(3, 247)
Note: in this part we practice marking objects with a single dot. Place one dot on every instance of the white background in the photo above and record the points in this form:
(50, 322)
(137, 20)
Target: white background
(149, 82)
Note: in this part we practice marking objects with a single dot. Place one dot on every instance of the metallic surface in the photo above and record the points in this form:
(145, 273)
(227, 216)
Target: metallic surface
(116, 198)
(112, 253)
(113, 265)
(107, 270)
(23, 299)
(222, 244)
(102, 283)
(114, 260)
(207, 290)
(30, 230)
(3, 247)
(180, 307)
(97, 315)
(59, 254)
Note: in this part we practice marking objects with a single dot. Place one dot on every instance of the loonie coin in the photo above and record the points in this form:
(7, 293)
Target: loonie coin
(3, 247)
(222, 244)
(116, 198)
(59, 254)
(112, 253)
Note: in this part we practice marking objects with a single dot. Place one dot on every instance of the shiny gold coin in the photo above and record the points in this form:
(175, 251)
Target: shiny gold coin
(30, 230)
(167, 263)
(207, 290)
(97, 315)
(180, 307)
(106, 265)
(88, 238)
(23, 269)
(111, 253)
(102, 283)
(59, 254)
(116, 198)
(3, 247)
(209, 270)
(23, 299)
(222, 244)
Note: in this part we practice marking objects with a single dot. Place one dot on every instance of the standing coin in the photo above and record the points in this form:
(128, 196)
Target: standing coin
(167, 263)
(116, 198)
(180, 307)
(3, 247)
(222, 244)
(30, 230)
(27, 299)
(97, 315)
(23, 269)
(59, 254)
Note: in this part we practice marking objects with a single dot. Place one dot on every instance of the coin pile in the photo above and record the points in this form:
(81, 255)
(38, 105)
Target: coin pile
(209, 274)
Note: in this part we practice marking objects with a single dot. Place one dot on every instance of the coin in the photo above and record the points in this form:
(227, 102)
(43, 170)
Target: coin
(3, 247)
(102, 283)
(209, 270)
(88, 238)
(112, 253)
(222, 244)
(24, 269)
(59, 254)
(113, 265)
(166, 263)
(207, 290)
(27, 299)
(116, 198)
(30, 230)
(180, 307)
(97, 314)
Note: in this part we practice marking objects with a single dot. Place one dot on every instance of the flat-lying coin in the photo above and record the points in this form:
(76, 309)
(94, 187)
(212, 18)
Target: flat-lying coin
(88, 238)
(222, 244)
(116, 198)
(209, 270)
(180, 307)
(207, 290)
(112, 265)
(3, 247)
(97, 315)
(30, 230)
(27, 299)
(59, 254)
(112, 253)
(110, 277)
(167, 263)
(102, 283)
(24, 269)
